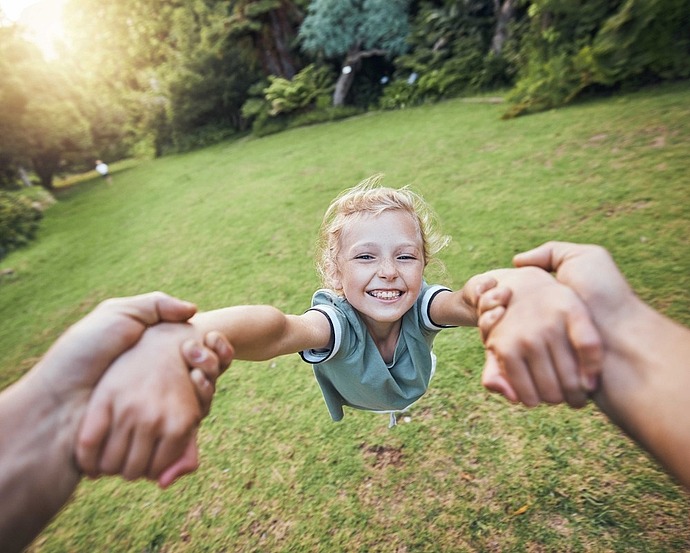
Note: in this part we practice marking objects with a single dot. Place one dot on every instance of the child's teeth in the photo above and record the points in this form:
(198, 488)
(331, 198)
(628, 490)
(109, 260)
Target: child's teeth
(386, 295)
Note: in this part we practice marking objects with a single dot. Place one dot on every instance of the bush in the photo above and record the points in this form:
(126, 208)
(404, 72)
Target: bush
(18, 222)
(282, 103)
(622, 44)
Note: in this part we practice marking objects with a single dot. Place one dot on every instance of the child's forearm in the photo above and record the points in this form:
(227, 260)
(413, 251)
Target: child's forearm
(261, 332)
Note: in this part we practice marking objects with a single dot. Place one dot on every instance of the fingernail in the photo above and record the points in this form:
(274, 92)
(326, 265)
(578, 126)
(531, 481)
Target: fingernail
(197, 354)
(590, 383)
(221, 347)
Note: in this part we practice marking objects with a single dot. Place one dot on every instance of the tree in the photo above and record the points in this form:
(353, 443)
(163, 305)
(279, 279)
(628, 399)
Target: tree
(54, 132)
(170, 65)
(271, 27)
(505, 13)
(351, 30)
(572, 46)
(17, 57)
(40, 122)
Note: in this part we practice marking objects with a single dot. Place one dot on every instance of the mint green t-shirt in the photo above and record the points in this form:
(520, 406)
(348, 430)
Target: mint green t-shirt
(353, 372)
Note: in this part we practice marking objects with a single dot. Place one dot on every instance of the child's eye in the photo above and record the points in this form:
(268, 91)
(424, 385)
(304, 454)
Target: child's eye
(364, 256)
(407, 257)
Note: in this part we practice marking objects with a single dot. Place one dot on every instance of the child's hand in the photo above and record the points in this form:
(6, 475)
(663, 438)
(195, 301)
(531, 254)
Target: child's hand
(491, 306)
(204, 374)
(144, 411)
(545, 346)
(207, 362)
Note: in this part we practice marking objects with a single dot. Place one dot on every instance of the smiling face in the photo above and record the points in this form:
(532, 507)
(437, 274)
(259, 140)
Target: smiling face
(380, 266)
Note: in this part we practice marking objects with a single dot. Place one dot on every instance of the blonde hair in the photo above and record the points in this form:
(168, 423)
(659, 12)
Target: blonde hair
(369, 197)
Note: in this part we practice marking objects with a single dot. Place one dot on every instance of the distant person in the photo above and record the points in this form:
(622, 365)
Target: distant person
(102, 170)
(368, 336)
(645, 380)
(40, 414)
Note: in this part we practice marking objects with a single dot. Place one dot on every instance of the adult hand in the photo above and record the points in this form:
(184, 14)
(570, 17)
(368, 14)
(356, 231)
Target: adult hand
(77, 360)
(41, 412)
(545, 347)
(589, 270)
(645, 374)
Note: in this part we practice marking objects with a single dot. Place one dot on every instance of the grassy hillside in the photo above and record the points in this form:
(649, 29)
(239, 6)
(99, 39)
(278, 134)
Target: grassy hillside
(236, 223)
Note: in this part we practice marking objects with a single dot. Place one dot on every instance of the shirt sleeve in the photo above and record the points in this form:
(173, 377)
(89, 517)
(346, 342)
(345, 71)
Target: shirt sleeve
(426, 299)
(315, 356)
(325, 302)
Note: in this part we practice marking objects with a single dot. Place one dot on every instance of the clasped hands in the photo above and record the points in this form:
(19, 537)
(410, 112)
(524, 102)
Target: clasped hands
(524, 362)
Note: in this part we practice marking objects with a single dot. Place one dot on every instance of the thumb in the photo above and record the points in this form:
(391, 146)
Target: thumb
(152, 308)
(494, 381)
(586, 341)
(541, 256)
(186, 464)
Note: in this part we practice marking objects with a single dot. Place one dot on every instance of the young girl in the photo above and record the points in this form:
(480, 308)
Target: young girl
(368, 334)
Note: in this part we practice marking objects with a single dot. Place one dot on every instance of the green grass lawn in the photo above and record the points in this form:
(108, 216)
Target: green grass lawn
(236, 223)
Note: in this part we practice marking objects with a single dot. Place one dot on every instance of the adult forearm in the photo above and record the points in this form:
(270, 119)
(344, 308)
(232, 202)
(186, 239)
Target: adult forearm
(645, 383)
(37, 473)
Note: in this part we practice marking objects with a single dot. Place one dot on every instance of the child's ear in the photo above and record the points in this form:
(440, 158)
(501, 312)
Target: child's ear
(337, 281)
(334, 276)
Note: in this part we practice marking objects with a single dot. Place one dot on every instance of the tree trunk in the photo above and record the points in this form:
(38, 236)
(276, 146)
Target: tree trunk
(45, 167)
(353, 60)
(24, 176)
(272, 42)
(283, 33)
(343, 85)
(504, 15)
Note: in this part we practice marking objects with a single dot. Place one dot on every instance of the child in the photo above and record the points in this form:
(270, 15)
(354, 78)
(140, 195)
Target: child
(369, 333)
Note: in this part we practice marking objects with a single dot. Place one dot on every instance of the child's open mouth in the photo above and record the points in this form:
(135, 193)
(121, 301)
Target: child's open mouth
(385, 294)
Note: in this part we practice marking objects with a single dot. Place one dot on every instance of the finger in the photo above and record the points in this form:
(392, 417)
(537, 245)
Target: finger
(186, 464)
(204, 390)
(588, 346)
(201, 357)
(494, 381)
(515, 370)
(493, 298)
(93, 434)
(115, 451)
(565, 363)
(543, 373)
(488, 320)
(169, 449)
(140, 453)
(222, 348)
(153, 308)
(476, 286)
(548, 256)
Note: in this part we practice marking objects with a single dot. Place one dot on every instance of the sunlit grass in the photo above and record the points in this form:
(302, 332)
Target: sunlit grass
(236, 223)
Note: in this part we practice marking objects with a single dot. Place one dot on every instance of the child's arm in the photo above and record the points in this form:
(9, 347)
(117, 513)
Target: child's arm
(545, 347)
(460, 308)
(143, 412)
(261, 332)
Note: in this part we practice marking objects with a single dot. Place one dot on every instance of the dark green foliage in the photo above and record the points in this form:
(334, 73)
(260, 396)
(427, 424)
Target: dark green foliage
(299, 94)
(267, 29)
(18, 222)
(573, 46)
(351, 31)
(649, 37)
(449, 53)
(337, 27)
(279, 103)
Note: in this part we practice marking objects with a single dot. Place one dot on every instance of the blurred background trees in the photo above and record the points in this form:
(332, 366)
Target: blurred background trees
(135, 79)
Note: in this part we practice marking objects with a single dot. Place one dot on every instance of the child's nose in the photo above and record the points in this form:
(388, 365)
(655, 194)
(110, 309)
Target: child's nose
(387, 269)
